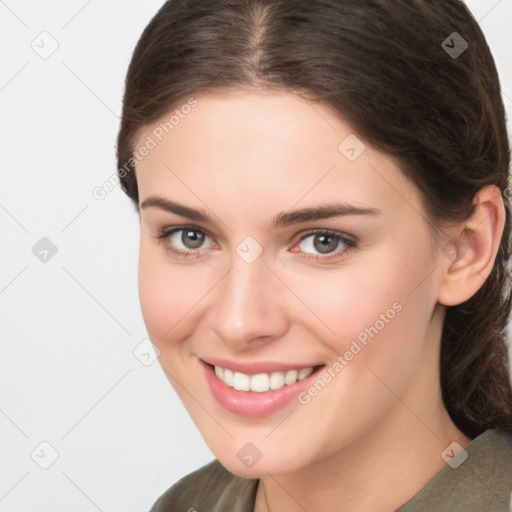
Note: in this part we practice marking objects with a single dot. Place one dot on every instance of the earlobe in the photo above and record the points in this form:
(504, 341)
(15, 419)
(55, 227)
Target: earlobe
(468, 257)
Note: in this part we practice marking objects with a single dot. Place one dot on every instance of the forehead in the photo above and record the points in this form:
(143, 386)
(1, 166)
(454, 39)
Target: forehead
(255, 149)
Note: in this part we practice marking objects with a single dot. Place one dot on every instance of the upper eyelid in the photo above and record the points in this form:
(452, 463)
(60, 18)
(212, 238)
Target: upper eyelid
(333, 232)
(303, 233)
(165, 232)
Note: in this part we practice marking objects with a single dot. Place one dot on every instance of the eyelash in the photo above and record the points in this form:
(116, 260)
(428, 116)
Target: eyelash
(350, 243)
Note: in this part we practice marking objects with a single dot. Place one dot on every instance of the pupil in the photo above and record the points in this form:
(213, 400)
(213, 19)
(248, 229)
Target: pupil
(192, 239)
(325, 243)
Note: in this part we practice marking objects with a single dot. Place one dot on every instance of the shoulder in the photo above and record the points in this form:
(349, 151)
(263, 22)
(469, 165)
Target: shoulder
(489, 465)
(476, 478)
(211, 487)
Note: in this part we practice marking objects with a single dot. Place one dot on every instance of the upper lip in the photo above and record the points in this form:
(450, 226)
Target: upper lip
(255, 367)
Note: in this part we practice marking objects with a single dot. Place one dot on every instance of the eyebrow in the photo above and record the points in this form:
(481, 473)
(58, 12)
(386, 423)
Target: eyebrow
(324, 211)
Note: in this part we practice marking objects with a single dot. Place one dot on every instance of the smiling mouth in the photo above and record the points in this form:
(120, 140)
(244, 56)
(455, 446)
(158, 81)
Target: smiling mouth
(262, 382)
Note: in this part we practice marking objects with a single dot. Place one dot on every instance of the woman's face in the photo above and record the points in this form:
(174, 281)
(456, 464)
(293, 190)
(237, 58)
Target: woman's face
(285, 244)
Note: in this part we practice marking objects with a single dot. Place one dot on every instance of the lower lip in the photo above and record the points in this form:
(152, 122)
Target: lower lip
(252, 403)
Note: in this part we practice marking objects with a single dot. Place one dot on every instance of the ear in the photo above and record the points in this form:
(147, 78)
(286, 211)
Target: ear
(468, 257)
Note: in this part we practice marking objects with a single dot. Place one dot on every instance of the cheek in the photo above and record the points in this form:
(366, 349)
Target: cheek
(346, 301)
(169, 295)
(382, 304)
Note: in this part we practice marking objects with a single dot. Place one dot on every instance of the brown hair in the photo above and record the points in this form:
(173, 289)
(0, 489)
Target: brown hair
(382, 65)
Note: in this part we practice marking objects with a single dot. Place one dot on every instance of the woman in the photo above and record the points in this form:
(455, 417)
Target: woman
(325, 233)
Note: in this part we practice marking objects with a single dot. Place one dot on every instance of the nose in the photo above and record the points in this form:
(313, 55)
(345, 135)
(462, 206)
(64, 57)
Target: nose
(247, 310)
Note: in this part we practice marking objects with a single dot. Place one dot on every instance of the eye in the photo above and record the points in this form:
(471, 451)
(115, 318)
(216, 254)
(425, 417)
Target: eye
(189, 238)
(325, 243)
(185, 240)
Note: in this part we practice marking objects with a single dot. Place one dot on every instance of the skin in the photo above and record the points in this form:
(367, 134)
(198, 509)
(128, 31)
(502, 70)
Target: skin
(244, 158)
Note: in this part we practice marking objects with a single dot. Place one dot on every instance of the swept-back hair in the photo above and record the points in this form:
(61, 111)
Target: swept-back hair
(399, 72)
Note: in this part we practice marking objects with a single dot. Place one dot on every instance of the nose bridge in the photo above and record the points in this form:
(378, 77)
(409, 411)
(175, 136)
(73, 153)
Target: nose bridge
(246, 305)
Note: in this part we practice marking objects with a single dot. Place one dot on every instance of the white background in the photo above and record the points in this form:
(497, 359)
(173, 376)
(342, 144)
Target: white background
(68, 327)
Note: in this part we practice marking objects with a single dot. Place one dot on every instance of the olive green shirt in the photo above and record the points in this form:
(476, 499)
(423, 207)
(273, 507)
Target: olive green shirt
(482, 483)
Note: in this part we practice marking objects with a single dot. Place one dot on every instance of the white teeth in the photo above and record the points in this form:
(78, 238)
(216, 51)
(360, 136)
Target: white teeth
(241, 381)
(276, 380)
(227, 377)
(261, 382)
(291, 377)
(305, 372)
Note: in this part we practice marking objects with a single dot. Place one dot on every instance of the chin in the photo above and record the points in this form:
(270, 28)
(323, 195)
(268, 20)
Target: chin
(259, 469)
